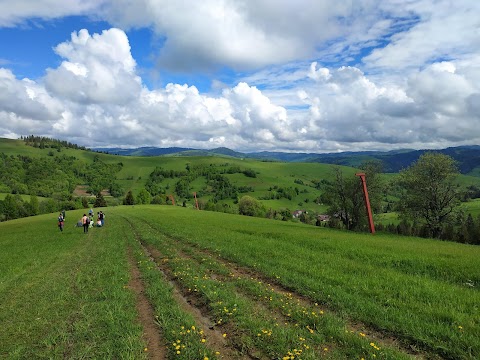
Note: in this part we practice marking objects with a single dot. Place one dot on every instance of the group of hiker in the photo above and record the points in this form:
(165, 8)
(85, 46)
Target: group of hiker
(87, 221)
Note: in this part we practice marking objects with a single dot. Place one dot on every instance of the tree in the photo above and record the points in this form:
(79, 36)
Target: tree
(129, 200)
(251, 207)
(34, 205)
(344, 195)
(144, 197)
(10, 209)
(430, 193)
(99, 201)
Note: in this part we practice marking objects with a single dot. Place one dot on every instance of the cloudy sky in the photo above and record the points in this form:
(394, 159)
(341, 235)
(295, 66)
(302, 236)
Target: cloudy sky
(284, 75)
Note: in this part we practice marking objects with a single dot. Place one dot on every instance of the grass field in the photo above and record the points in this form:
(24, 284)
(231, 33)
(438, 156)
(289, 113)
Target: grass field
(173, 283)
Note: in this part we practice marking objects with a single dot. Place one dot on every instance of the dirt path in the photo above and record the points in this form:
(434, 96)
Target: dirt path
(213, 335)
(156, 348)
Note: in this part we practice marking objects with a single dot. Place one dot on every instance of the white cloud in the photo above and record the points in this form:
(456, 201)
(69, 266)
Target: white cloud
(98, 69)
(16, 12)
(443, 28)
(418, 87)
(26, 98)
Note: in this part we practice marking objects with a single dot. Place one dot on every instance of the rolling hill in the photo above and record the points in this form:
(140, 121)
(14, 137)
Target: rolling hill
(468, 157)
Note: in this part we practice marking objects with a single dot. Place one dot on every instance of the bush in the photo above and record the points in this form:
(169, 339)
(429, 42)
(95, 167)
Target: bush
(251, 207)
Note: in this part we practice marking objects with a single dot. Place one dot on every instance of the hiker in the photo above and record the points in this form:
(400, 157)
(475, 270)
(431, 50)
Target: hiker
(101, 216)
(99, 223)
(90, 212)
(61, 220)
(64, 214)
(85, 223)
(90, 222)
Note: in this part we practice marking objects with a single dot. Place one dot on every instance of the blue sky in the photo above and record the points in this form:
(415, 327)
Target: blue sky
(311, 75)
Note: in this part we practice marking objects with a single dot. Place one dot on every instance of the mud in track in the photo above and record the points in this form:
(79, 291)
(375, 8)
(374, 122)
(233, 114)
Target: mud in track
(151, 332)
(214, 337)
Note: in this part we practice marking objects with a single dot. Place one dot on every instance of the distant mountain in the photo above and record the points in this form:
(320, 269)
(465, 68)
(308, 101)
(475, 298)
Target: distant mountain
(467, 157)
(142, 151)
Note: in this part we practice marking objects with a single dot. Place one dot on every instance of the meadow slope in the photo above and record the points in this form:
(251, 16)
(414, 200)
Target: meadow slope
(185, 284)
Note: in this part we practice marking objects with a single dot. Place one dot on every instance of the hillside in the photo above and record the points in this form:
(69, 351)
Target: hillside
(173, 283)
(468, 157)
(136, 170)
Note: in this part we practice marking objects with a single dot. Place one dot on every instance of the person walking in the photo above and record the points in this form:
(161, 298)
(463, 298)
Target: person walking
(61, 220)
(85, 223)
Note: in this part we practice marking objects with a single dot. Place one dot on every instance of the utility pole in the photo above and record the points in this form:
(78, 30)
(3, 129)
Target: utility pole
(196, 201)
(367, 202)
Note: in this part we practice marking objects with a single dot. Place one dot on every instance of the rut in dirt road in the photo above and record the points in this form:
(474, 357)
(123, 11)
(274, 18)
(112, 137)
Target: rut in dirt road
(156, 347)
(214, 337)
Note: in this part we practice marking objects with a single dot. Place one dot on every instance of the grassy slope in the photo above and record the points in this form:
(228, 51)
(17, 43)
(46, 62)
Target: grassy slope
(64, 294)
(416, 289)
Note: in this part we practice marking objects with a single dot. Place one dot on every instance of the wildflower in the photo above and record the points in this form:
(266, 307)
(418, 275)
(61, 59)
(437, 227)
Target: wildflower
(224, 335)
(146, 349)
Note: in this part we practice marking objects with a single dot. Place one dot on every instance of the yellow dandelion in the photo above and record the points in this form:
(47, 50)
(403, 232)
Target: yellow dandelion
(224, 335)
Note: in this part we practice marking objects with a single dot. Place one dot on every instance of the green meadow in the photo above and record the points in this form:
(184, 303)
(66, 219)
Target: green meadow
(222, 286)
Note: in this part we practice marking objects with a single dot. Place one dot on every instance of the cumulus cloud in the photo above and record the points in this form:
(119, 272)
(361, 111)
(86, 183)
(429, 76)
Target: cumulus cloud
(98, 69)
(349, 76)
(26, 98)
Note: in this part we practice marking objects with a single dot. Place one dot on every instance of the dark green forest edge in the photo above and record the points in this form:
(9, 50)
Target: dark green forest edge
(426, 195)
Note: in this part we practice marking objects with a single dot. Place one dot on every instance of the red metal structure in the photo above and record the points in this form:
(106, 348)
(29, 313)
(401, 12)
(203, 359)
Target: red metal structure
(172, 199)
(196, 201)
(367, 202)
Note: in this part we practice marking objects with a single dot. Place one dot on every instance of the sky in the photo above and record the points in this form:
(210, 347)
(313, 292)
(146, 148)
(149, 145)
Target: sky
(251, 75)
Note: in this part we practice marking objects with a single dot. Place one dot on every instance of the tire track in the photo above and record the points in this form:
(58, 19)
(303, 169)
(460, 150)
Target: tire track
(239, 272)
(156, 347)
(214, 337)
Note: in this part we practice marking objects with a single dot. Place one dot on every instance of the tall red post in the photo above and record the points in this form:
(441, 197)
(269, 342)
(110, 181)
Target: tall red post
(367, 202)
(173, 199)
(196, 201)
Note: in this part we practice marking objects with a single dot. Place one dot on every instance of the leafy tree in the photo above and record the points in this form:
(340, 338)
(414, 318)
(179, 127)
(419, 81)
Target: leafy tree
(344, 195)
(34, 205)
(158, 200)
(144, 197)
(129, 199)
(251, 207)
(10, 209)
(430, 193)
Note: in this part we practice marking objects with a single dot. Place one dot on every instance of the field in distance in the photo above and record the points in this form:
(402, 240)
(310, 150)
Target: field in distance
(174, 283)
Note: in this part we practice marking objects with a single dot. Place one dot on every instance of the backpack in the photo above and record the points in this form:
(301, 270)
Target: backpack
(87, 221)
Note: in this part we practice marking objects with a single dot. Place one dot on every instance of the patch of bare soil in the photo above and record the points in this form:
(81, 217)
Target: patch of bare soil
(214, 337)
(81, 191)
(156, 348)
